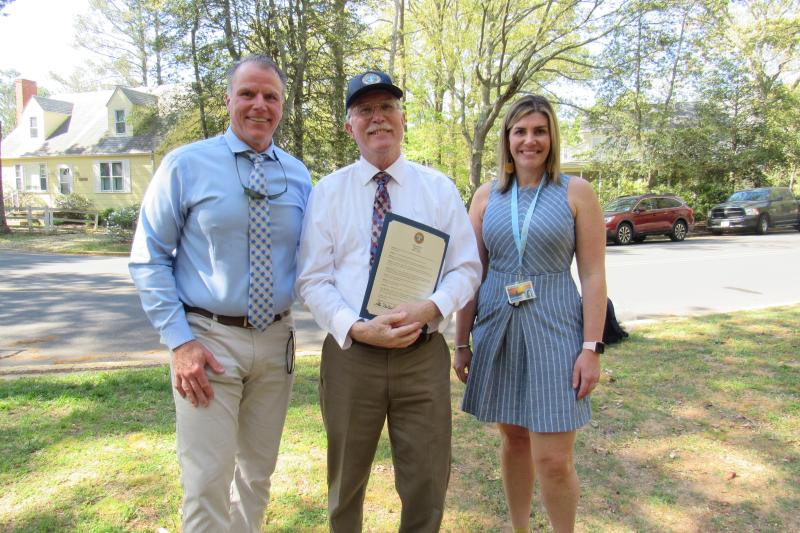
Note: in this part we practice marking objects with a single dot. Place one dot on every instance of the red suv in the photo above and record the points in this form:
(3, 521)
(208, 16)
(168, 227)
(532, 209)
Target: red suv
(632, 218)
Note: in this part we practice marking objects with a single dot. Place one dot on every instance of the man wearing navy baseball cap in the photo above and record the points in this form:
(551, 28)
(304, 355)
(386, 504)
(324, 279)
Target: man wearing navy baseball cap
(395, 366)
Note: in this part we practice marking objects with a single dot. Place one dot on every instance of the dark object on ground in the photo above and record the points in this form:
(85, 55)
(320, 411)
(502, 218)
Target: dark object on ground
(613, 332)
(755, 210)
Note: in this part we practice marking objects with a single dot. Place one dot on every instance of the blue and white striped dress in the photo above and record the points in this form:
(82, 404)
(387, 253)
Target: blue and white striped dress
(521, 370)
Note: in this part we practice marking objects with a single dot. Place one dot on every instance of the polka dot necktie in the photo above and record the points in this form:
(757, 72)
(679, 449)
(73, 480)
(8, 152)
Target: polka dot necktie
(260, 311)
(381, 206)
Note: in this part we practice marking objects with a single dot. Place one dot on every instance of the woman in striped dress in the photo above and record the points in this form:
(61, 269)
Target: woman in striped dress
(536, 342)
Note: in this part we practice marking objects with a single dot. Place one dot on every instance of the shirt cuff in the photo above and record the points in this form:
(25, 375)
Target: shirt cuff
(443, 302)
(176, 335)
(342, 321)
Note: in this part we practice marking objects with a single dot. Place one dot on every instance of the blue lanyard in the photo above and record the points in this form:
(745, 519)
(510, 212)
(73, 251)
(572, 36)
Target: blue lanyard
(521, 240)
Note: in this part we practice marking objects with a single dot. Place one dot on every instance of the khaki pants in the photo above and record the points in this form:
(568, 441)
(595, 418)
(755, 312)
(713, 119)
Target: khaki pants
(362, 387)
(227, 451)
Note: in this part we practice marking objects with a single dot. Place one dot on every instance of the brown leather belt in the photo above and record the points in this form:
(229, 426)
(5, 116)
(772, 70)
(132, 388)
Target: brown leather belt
(237, 321)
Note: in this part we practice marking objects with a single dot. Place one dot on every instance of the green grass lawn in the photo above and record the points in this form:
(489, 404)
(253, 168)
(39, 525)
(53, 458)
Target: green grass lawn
(696, 428)
(63, 243)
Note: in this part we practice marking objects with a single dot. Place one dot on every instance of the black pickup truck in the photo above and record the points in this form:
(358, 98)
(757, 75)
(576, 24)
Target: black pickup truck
(755, 210)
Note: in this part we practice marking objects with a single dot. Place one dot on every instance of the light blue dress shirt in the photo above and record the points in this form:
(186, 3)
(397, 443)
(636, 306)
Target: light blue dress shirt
(191, 243)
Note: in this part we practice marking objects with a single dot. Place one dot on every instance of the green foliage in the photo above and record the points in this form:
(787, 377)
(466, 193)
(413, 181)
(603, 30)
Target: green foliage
(68, 204)
(121, 222)
(75, 201)
(103, 216)
(143, 120)
(95, 451)
(22, 199)
(8, 102)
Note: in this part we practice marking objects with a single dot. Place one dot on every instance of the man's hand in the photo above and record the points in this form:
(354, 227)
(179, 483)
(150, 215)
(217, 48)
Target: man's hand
(421, 311)
(387, 331)
(189, 362)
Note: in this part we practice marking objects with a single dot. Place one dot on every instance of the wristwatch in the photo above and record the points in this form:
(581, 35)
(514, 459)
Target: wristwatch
(595, 346)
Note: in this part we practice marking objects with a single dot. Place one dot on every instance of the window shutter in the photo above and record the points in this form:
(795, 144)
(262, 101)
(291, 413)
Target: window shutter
(126, 174)
(96, 171)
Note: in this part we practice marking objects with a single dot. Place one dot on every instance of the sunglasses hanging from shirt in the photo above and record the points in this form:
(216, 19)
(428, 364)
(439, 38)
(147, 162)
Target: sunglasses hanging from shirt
(251, 193)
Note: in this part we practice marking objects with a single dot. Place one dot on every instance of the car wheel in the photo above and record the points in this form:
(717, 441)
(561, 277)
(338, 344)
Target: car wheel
(624, 233)
(763, 225)
(639, 238)
(678, 231)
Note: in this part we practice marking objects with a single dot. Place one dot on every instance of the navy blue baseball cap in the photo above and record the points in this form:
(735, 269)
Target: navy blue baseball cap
(371, 80)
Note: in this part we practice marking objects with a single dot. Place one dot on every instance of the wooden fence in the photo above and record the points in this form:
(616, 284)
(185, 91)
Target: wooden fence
(50, 220)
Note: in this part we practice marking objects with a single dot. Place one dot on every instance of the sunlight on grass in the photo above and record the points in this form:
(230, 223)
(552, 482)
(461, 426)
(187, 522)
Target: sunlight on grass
(695, 428)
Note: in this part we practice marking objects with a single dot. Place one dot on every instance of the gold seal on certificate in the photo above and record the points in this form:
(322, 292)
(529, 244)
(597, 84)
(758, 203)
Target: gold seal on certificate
(407, 266)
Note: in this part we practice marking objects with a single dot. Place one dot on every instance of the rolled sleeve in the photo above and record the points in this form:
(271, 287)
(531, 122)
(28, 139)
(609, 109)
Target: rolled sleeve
(462, 266)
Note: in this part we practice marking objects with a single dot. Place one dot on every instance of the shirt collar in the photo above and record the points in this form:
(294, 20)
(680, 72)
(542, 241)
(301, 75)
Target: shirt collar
(238, 146)
(365, 170)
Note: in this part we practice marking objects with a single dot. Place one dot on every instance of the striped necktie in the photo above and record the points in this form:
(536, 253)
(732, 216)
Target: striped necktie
(260, 311)
(380, 207)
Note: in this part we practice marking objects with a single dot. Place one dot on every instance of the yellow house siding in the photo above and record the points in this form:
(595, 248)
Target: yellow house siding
(84, 180)
(119, 101)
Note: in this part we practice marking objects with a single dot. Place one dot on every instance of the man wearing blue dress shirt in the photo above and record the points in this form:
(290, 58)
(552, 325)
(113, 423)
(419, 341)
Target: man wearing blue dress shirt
(190, 262)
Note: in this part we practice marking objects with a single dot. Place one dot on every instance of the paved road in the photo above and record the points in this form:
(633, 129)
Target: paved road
(73, 310)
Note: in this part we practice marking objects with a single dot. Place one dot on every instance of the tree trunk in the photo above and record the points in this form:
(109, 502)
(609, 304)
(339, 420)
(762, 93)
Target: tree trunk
(298, 80)
(157, 48)
(339, 84)
(476, 157)
(198, 80)
(227, 29)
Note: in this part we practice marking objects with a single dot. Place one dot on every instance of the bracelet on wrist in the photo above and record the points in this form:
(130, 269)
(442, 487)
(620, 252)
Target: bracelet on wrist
(458, 346)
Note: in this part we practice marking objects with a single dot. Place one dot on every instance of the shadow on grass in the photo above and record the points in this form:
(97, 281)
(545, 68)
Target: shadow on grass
(686, 430)
(41, 414)
(106, 506)
(695, 429)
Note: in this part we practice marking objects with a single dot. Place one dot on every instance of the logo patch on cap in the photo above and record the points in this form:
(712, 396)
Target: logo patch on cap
(370, 78)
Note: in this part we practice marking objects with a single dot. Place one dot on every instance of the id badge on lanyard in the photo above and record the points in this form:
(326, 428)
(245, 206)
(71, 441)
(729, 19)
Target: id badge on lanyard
(522, 290)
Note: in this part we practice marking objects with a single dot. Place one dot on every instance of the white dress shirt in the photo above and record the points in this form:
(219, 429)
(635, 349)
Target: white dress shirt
(333, 260)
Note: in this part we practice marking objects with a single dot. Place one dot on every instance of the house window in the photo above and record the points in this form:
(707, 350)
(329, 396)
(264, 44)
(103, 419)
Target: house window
(111, 177)
(119, 119)
(42, 177)
(34, 128)
(19, 177)
(64, 180)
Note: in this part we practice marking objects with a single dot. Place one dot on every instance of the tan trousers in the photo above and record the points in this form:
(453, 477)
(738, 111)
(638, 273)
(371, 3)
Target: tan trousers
(362, 387)
(227, 451)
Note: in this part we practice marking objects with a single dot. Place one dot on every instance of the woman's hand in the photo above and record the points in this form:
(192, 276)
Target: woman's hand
(586, 373)
(461, 361)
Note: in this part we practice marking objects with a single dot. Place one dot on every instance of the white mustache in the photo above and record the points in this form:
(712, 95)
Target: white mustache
(379, 128)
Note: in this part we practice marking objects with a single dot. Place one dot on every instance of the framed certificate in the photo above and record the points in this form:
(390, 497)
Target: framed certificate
(407, 267)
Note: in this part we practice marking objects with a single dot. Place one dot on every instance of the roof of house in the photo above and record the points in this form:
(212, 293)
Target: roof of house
(85, 130)
(138, 97)
(54, 106)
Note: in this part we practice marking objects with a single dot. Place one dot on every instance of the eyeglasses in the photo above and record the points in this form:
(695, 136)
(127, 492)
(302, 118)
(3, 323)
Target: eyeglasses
(368, 110)
(252, 193)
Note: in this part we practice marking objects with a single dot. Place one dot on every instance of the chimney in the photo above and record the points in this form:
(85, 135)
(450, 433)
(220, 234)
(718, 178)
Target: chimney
(24, 89)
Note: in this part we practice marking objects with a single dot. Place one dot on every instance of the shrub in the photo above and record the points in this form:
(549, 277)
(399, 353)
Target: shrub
(66, 203)
(122, 221)
(104, 214)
